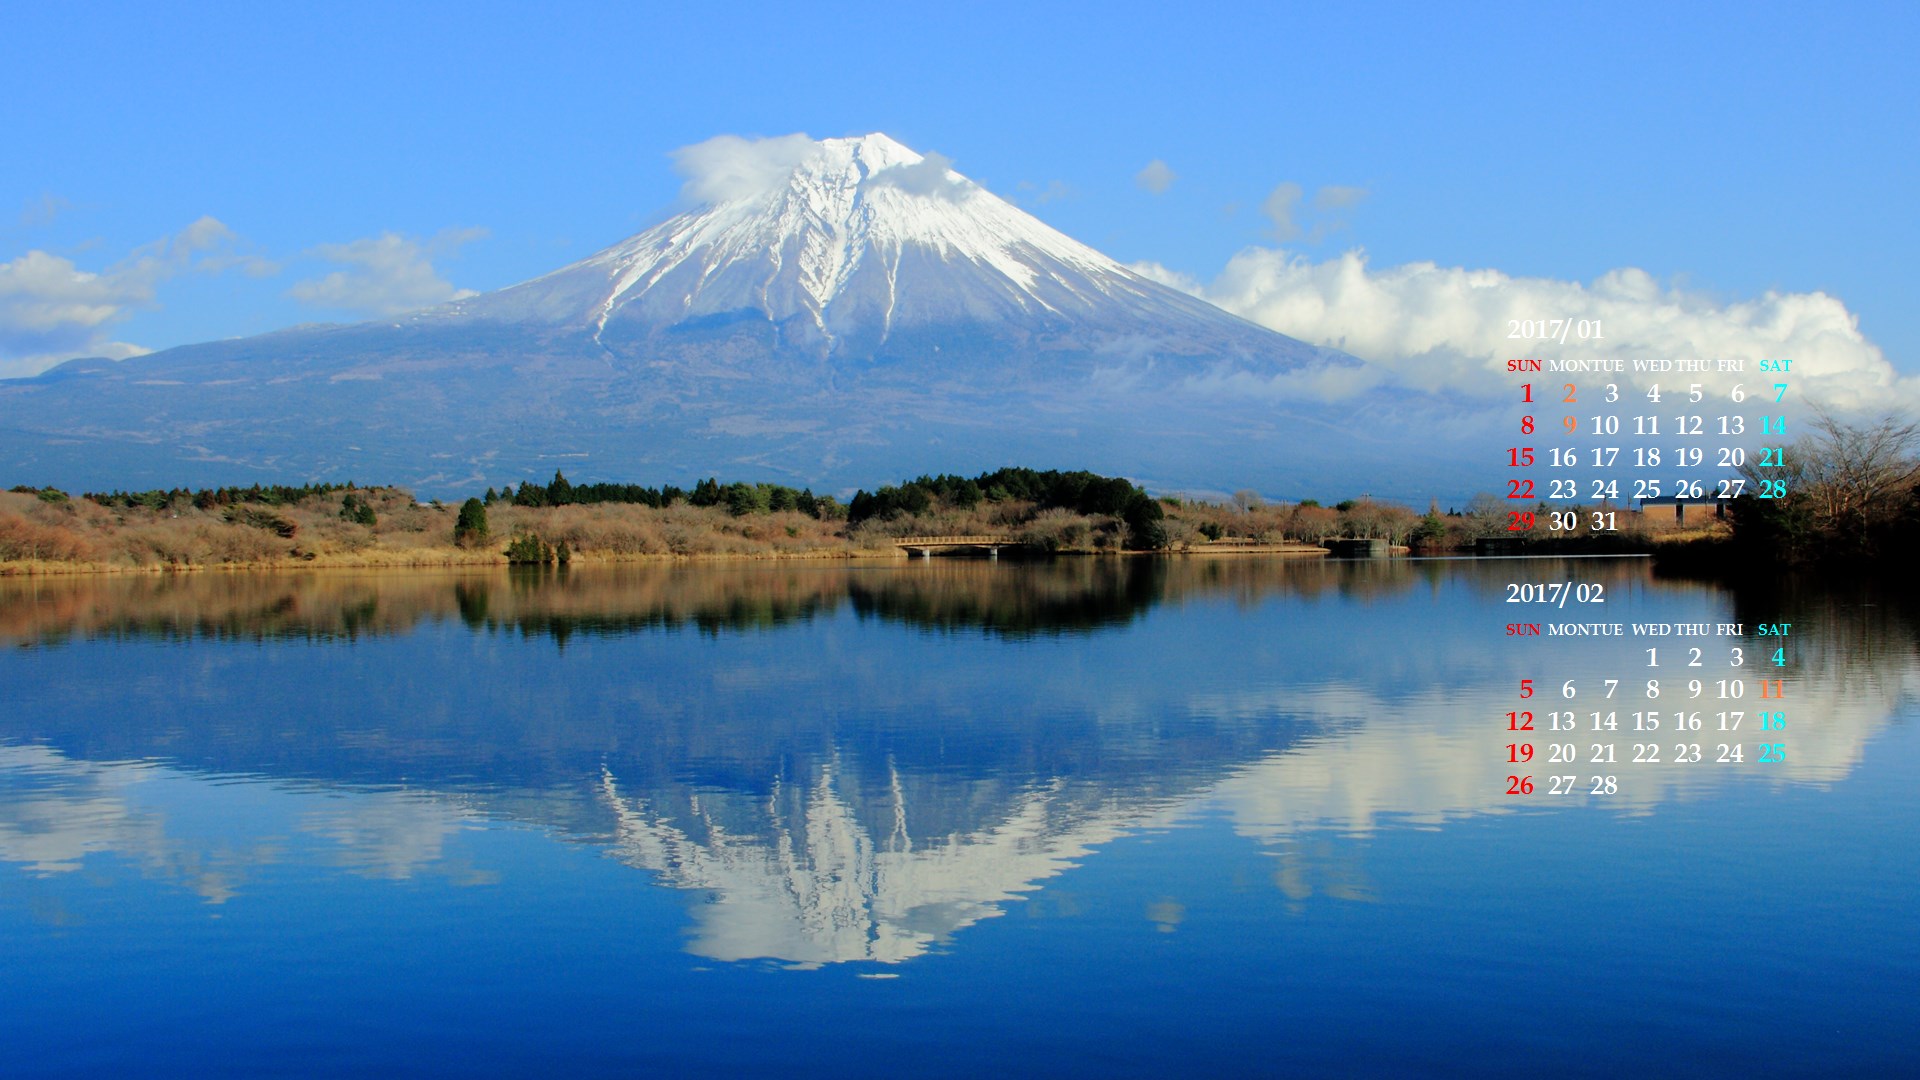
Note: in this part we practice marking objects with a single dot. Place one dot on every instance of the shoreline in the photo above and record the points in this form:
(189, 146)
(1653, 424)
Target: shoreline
(494, 561)
(46, 533)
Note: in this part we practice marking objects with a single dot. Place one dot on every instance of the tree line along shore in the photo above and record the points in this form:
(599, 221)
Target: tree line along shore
(1852, 499)
(1051, 512)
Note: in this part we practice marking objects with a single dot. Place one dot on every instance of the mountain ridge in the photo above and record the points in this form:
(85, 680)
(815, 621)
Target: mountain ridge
(867, 314)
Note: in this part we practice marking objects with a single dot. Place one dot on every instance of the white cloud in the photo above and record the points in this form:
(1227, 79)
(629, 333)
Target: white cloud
(43, 211)
(1156, 177)
(1279, 207)
(1030, 192)
(1338, 197)
(1282, 207)
(1447, 328)
(728, 167)
(1329, 203)
(932, 175)
(1315, 383)
(386, 274)
(1172, 279)
(51, 310)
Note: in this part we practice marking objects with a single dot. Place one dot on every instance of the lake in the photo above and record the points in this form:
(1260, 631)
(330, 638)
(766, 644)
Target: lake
(951, 817)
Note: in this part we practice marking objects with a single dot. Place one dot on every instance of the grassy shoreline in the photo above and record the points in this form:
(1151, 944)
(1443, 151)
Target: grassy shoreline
(482, 560)
(45, 532)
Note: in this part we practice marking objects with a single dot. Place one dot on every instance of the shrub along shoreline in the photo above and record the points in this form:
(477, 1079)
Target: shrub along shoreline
(44, 530)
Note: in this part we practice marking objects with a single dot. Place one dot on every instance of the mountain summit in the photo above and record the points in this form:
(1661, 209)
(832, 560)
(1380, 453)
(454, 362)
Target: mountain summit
(861, 237)
(837, 312)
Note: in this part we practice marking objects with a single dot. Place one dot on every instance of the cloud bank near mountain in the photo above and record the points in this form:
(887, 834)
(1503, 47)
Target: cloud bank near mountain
(52, 310)
(729, 167)
(386, 274)
(1452, 328)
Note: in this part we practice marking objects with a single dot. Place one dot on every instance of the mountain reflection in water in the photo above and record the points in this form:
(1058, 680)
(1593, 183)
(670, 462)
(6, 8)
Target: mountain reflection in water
(768, 737)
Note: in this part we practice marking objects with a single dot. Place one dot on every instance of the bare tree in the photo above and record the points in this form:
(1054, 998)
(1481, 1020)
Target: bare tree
(1313, 524)
(1845, 492)
(1397, 523)
(1850, 476)
(1486, 515)
(1858, 471)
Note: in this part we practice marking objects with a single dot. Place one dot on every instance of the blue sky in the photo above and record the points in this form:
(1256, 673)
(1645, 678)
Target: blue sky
(1725, 150)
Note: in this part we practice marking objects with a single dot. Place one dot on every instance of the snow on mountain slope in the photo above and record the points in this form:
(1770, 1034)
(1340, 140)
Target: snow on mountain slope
(864, 236)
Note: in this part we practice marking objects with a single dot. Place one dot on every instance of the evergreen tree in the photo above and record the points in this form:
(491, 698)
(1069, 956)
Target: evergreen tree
(1432, 528)
(357, 510)
(529, 550)
(530, 494)
(1143, 516)
(471, 528)
(743, 499)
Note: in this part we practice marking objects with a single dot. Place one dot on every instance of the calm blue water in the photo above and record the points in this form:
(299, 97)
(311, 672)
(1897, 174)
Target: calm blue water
(1092, 818)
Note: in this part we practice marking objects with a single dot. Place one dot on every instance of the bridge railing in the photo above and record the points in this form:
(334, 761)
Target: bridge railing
(953, 541)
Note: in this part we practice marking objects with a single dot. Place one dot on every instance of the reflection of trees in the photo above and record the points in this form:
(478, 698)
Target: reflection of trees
(1844, 634)
(1017, 599)
(334, 604)
(1066, 596)
(1070, 596)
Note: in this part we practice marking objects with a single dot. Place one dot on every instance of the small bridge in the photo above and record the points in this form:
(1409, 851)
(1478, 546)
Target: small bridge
(924, 546)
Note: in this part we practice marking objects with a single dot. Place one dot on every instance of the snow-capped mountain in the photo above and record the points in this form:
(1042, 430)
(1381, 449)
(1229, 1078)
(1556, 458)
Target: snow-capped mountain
(866, 237)
(861, 314)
